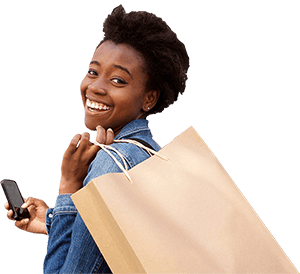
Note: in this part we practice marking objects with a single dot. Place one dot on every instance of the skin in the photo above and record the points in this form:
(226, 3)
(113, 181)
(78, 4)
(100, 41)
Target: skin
(116, 79)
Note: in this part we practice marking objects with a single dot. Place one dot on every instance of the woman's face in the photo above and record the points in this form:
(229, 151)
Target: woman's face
(113, 91)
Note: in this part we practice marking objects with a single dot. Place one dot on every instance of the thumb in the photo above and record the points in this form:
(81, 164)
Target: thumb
(33, 201)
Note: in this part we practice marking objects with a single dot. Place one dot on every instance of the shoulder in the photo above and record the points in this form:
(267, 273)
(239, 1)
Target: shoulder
(104, 163)
(101, 165)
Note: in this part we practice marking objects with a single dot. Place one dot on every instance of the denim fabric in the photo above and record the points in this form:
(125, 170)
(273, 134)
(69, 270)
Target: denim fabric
(71, 248)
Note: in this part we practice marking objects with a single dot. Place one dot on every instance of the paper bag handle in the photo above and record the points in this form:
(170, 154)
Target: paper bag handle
(106, 148)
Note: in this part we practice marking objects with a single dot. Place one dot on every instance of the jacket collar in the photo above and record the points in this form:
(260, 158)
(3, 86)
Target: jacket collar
(134, 127)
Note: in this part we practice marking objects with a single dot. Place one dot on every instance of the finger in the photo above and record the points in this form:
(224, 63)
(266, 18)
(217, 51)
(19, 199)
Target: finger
(10, 214)
(73, 146)
(84, 142)
(85, 139)
(93, 151)
(28, 202)
(23, 221)
(6, 205)
(101, 136)
(22, 224)
(74, 142)
(109, 136)
(33, 202)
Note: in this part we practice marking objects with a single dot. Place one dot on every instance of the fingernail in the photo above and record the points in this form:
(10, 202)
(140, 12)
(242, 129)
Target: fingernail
(110, 130)
(25, 221)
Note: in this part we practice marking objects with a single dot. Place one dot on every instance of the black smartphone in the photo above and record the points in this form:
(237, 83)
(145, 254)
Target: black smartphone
(15, 199)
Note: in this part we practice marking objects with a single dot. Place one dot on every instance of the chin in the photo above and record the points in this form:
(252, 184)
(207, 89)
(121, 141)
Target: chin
(93, 119)
(90, 126)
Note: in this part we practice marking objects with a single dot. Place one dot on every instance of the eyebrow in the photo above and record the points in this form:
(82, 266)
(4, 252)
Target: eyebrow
(116, 66)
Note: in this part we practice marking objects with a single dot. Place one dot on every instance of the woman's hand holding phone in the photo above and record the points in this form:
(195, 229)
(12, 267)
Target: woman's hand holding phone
(36, 223)
(76, 161)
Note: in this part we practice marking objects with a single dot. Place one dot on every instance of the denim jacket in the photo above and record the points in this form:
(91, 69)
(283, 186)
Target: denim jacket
(71, 248)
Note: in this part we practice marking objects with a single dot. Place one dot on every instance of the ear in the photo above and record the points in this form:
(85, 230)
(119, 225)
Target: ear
(150, 100)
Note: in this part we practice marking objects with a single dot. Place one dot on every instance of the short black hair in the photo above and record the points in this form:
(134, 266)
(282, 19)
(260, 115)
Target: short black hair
(166, 58)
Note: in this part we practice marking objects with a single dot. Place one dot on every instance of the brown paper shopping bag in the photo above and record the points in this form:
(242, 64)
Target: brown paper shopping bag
(181, 215)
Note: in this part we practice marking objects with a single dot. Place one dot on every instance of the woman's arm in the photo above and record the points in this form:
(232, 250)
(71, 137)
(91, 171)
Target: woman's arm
(71, 248)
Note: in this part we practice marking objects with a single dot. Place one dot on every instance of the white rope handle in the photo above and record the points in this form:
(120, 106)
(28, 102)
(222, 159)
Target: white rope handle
(106, 148)
(149, 150)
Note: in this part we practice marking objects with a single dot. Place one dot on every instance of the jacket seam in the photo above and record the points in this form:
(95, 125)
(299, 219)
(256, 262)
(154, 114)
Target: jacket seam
(133, 132)
(98, 264)
(60, 212)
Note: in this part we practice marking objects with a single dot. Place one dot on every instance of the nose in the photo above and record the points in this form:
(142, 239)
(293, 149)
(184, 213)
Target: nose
(98, 87)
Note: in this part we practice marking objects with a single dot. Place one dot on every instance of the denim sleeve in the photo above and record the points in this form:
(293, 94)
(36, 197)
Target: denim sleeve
(71, 248)
(59, 222)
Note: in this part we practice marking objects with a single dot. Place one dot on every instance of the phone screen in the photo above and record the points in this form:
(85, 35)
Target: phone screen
(16, 198)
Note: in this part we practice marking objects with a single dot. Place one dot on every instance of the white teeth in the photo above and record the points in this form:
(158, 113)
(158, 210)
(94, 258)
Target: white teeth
(96, 105)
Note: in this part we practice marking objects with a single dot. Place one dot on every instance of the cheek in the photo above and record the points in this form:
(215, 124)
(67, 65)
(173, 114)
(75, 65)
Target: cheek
(83, 87)
(130, 103)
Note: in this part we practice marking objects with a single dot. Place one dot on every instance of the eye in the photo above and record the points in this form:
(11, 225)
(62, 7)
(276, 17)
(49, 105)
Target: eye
(92, 72)
(119, 81)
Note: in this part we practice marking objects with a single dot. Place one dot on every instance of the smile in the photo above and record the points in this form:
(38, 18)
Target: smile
(95, 106)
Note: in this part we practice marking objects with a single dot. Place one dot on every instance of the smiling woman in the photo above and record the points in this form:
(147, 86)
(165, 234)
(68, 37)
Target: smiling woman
(113, 91)
(139, 68)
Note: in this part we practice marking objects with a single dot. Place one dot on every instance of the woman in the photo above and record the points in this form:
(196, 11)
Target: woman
(139, 68)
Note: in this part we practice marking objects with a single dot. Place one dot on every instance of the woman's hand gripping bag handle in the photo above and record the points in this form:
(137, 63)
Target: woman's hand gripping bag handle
(140, 143)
